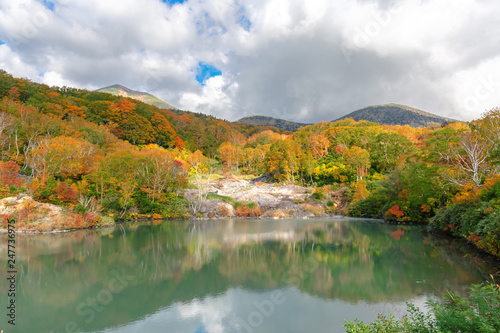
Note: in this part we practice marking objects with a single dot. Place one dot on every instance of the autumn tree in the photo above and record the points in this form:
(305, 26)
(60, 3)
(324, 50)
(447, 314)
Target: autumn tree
(165, 135)
(489, 129)
(160, 173)
(387, 149)
(179, 143)
(14, 93)
(125, 108)
(319, 145)
(283, 159)
(199, 168)
(359, 159)
(360, 191)
(6, 124)
(9, 172)
(471, 158)
(137, 130)
(63, 156)
(119, 176)
(231, 154)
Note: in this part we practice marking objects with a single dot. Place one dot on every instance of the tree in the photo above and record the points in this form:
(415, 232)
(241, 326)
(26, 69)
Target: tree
(137, 130)
(282, 160)
(388, 149)
(359, 159)
(179, 143)
(200, 166)
(125, 107)
(63, 156)
(165, 135)
(360, 191)
(231, 154)
(489, 129)
(6, 124)
(160, 173)
(319, 145)
(470, 157)
(8, 174)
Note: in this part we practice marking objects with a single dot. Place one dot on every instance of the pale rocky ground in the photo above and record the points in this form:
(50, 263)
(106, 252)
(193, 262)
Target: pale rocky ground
(275, 200)
(35, 213)
(37, 217)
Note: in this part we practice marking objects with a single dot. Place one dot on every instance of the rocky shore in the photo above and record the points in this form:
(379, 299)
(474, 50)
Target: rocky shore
(274, 200)
(227, 197)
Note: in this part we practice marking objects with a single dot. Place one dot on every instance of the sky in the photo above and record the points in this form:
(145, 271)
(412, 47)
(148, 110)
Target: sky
(304, 61)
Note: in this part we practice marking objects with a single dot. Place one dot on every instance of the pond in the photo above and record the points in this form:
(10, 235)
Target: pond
(232, 275)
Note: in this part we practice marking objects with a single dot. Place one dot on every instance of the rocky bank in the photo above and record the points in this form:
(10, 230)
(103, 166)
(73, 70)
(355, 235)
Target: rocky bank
(274, 200)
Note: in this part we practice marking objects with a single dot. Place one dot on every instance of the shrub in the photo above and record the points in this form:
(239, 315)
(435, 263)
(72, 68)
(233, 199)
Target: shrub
(478, 222)
(394, 214)
(248, 210)
(225, 210)
(316, 210)
(319, 194)
(369, 207)
(480, 312)
(64, 193)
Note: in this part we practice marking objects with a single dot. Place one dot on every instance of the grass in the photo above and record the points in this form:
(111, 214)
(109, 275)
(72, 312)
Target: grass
(229, 200)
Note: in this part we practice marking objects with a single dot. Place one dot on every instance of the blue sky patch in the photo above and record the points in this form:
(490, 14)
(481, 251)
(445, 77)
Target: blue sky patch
(206, 71)
(173, 2)
(201, 329)
(206, 24)
(244, 21)
(49, 4)
(2, 42)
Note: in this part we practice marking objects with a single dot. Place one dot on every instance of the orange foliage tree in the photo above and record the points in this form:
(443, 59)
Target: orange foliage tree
(63, 156)
(359, 159)
(230, 154)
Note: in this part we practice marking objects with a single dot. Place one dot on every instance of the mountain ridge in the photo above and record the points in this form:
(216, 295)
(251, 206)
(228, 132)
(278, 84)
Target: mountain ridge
(396, 114)
(282, 124)
(385, 114)
(120, 90)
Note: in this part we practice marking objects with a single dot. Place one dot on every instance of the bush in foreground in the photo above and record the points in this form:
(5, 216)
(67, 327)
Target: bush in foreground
(480, 312)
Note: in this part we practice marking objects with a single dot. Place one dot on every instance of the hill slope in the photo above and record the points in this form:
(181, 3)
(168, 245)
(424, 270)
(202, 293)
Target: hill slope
(396, 114)
(116, 116)
(119, 90)
(270, 121)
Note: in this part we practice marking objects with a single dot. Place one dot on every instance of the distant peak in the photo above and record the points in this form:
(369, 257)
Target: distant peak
(119, 90)
(260, 120)
(116, 86)
(396, 114)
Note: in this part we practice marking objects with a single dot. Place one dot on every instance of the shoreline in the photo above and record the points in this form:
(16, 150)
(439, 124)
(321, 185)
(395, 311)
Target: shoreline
(121, 222)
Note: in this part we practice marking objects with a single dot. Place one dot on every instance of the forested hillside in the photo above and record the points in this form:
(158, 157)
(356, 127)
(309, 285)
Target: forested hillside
(137, 122)
(396, 114)
(102, 154)
(122, 91)
(270, 121)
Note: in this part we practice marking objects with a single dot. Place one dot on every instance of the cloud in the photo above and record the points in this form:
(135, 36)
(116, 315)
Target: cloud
(300, 60)
(217, 97)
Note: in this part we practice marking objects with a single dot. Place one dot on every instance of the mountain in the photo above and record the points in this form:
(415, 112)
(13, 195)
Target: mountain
(282, 124)
(119, 90)
(396, 114)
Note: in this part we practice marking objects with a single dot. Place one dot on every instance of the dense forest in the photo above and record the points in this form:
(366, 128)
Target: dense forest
(104, 154)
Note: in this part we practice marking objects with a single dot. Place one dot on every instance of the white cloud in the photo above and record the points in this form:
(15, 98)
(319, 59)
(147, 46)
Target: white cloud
(12, 63)
(303, 60)
(216, 97)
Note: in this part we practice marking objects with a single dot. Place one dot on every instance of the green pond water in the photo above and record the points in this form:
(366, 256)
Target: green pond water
(231, 276)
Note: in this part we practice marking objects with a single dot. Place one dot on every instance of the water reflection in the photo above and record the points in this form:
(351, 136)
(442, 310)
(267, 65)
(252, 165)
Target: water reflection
(212, 276)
